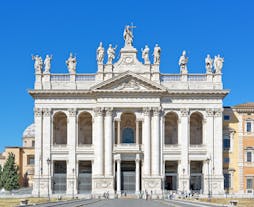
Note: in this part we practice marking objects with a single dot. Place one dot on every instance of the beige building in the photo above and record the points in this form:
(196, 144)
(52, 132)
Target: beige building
(238, 144)
(24, 157)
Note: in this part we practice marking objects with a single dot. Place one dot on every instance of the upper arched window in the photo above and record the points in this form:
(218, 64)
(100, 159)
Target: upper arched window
(171, 128)
(128, 127)
(60, 128)
(85, 128)
(196, 129)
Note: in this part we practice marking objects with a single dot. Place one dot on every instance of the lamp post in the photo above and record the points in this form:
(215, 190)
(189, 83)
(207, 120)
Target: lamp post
(73, 174)
(208, 178)
(48, 162)
(183, 179)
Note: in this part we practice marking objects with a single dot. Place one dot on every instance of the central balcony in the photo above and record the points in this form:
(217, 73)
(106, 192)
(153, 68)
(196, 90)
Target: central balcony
(127, 148)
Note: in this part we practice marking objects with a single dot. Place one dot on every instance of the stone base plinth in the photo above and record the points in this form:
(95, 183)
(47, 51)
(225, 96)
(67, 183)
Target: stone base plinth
(42, 186)
(153, 186)
(103, 185)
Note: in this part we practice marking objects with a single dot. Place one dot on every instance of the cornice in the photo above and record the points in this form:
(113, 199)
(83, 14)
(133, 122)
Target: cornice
(174, 93)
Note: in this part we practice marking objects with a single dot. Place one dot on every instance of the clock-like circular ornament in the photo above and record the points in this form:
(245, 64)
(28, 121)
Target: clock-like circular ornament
(128, 59)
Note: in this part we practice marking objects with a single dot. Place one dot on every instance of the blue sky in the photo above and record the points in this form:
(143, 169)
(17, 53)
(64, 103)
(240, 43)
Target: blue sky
(59, 27)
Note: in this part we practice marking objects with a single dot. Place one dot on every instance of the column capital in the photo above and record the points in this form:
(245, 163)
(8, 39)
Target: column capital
(209, 112)
(37, 112)
(146, 111)
(184, 112)
(218, 112)
(156, 111)
(72, 112)
(46, 112)
(98, 111)
(109, 111)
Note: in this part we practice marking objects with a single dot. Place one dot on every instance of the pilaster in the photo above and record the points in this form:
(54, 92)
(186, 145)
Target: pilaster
(98, 142)
(217, 170)
(184, 140)
(46, 145)
(156, 143)
(71, 141)
(38, 151)
(147, 141)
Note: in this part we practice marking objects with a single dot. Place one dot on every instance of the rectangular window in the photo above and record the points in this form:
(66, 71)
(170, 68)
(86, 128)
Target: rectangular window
(226, 159)
(30, 160)
(227, 180)
(226, 117)
(226, 142)
(249, 183)
(249, 157)
(33, 143)
(248, 126)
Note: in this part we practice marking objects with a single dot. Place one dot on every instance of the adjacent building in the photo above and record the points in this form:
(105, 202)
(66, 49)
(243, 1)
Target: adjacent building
(128, 128)
(239, 148)
(24, 157)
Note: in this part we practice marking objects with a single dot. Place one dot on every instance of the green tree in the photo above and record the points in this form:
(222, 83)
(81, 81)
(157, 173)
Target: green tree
(10, 176)
(1, 174)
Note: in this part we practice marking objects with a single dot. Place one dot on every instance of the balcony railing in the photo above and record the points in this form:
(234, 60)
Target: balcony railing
(169, 78)
(60, 77)
(197, 77)
(85, 77)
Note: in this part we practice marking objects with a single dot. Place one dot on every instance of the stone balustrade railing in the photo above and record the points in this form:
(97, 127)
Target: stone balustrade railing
(60, 77)
(66, 77)
(186, 77)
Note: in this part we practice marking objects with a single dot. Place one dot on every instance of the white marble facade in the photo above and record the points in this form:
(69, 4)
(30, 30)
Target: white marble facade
(127, 128)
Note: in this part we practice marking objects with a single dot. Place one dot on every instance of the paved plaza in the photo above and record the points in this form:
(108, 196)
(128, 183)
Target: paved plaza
(129, 203)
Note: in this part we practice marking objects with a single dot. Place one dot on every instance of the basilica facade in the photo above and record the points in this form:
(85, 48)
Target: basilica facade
(128, 128)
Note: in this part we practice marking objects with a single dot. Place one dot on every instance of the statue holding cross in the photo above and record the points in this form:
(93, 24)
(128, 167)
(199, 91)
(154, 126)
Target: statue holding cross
(128, 35)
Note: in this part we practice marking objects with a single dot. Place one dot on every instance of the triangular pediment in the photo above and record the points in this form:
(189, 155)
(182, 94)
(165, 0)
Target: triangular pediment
(128, 81)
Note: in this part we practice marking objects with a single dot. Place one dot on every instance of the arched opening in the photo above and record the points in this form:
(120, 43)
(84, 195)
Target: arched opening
(196, 129)
(128, 127)
(171, 128)
(84, 128)
(60, 128)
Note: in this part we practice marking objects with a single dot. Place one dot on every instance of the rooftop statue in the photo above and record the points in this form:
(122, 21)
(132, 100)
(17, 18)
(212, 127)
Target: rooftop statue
(37, 63)
(71, 64)
(100, 54)
(209, 64)
(128, 35)
(183, 63)
(156, 54)
(218, 63)
(145, 55)
(47, 63)
(111, 53)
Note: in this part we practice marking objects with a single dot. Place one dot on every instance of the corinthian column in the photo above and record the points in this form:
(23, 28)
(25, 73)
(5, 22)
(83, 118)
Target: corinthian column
(156, 142)
(98, 142)
(108, 142)
(147, 141)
